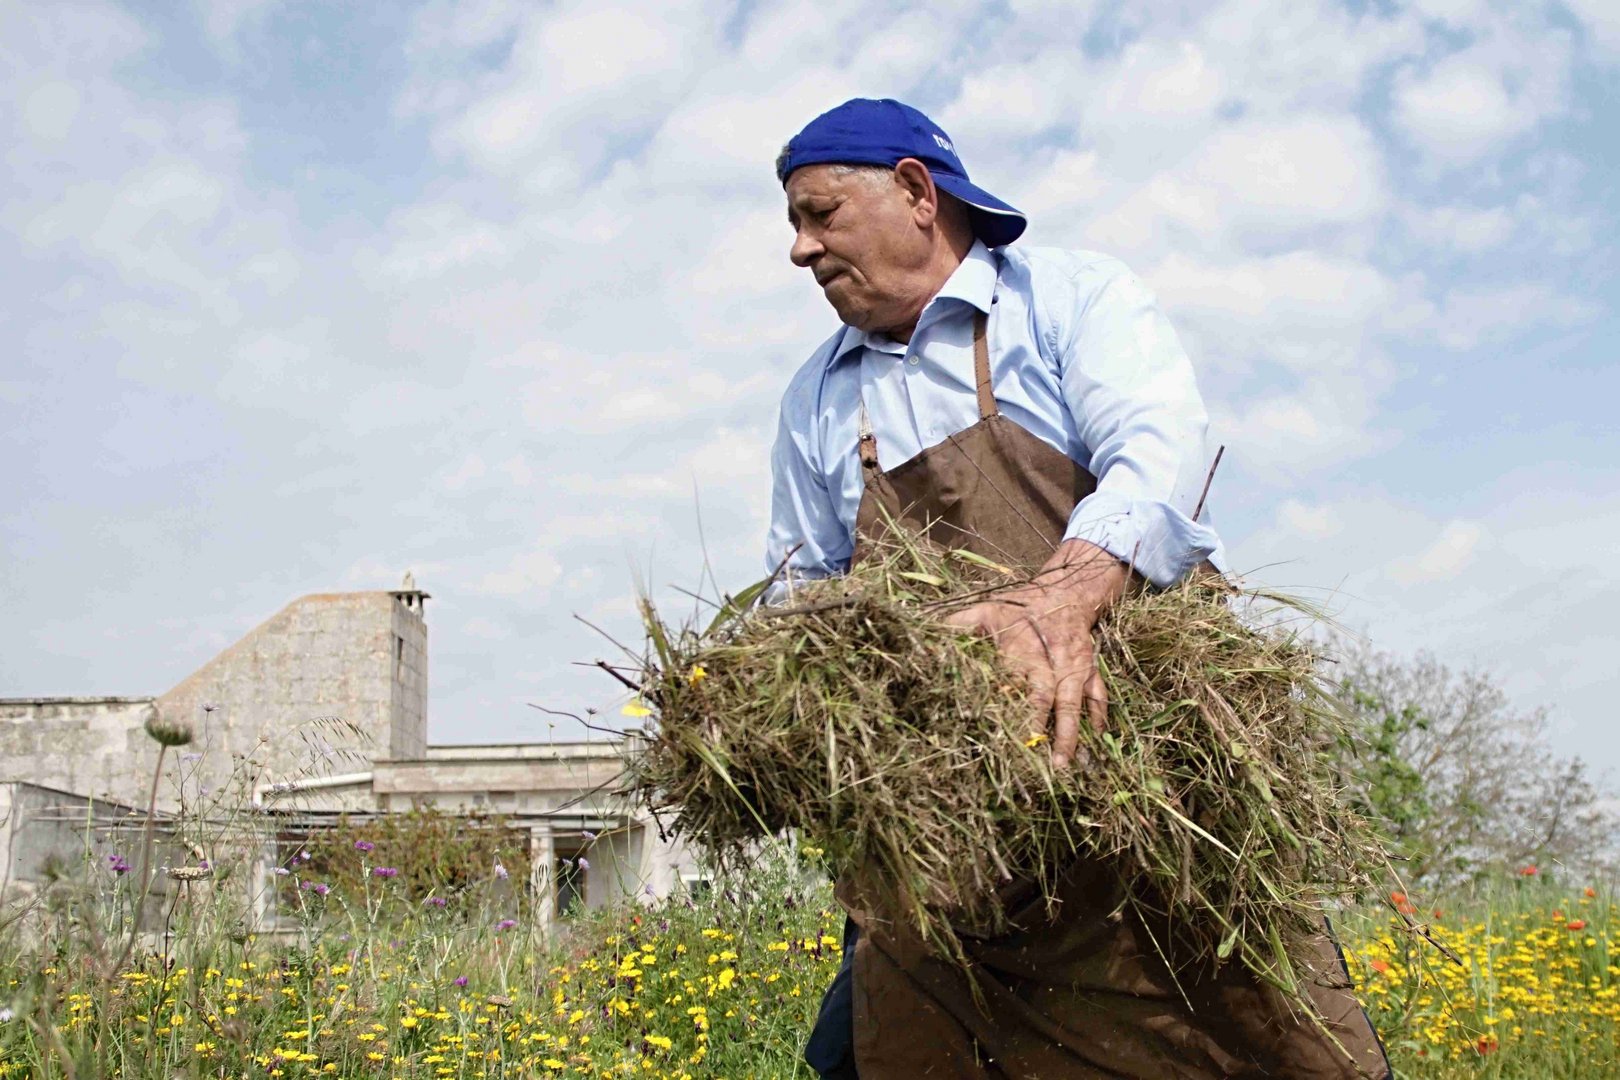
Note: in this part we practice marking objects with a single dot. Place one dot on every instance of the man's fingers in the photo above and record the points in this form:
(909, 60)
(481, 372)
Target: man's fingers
(973, 620)
(1067, 706)
(1097, 700)
(1042, 691)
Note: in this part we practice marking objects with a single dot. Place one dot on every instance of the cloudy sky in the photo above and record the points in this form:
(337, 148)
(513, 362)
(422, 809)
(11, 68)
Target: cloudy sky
(299, 295)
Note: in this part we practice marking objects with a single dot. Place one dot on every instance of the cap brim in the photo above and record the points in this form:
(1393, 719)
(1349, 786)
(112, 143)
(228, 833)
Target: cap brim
(994, 221)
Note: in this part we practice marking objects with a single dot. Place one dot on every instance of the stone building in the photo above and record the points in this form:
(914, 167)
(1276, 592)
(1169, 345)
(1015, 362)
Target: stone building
(319, 711)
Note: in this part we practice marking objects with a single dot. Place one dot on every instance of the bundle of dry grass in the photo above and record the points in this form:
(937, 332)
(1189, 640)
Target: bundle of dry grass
(905, 750)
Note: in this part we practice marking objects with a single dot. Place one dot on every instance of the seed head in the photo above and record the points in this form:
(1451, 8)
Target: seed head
(168, 732)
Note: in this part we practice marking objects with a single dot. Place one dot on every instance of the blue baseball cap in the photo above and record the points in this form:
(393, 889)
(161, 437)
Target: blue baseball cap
(864, 131)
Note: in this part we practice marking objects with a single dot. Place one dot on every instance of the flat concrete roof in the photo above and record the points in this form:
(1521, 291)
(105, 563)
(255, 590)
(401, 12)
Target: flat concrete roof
(553, 751)
(78, 699)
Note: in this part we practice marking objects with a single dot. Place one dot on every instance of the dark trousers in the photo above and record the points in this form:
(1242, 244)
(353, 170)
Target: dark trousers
(831, 1048)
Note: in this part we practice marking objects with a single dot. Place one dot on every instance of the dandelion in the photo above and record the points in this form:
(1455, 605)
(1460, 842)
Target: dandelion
(384, 871)
(364, 845)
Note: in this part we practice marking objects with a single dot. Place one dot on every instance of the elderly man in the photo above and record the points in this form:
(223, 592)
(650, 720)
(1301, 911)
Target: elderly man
(1034, 406)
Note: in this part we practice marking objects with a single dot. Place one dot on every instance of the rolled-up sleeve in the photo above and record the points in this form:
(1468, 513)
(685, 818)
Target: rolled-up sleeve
(806, 532)
(1130, 387)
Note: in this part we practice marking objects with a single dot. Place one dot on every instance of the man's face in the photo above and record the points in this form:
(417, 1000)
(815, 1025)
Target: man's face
(859, 234)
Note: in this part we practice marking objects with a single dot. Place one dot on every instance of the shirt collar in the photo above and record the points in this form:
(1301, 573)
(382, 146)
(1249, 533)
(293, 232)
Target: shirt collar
(973, 282)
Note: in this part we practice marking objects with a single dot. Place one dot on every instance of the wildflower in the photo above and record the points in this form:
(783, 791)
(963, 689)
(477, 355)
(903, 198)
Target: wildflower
(1575, 924)
(635, 708)
(6, 1015)
(500, 871)
(697, 675)
(587, 834)
(316, 887)
(1528, 871)
(1035, 740)
(461, 980)
(649, 890)
(168, 732)
(583, 863)
(384, 871)
(304, 856)
(117, 865)
(505, 924)
(364, 845)
(1590, 892)
(1397, 898)
(435, 901)
(282, 871)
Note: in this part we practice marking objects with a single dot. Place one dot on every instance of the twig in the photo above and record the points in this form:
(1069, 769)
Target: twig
(1199, 509)
(609, 668)
(576, 718)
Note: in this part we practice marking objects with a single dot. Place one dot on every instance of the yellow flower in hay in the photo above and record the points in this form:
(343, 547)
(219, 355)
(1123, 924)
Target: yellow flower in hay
(696, 675)
(1035, 740)
(635, 708)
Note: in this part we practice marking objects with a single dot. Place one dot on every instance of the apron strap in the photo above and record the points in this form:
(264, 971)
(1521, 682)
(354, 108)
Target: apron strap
(981, 377)
(981, 365)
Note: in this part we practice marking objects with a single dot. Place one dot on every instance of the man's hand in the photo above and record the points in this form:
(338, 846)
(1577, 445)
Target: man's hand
(1044, 630)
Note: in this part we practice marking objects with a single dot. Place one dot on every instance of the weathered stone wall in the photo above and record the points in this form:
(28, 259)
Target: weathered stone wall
(357, 657)
(90, 746)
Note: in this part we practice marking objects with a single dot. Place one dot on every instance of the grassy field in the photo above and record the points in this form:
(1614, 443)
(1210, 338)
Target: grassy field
(378, 984)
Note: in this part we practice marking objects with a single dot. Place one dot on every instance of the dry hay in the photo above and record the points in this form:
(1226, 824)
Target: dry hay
(904, 749)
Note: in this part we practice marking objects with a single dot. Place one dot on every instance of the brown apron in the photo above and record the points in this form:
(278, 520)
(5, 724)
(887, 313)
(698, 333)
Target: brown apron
(1078, 990)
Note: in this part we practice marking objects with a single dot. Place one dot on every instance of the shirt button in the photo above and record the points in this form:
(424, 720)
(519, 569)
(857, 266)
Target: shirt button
(915, 360)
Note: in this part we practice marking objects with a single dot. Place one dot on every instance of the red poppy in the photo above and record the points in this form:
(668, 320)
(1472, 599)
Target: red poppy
(1397, 898)
(1436, 913)
(1575, 924)
(1406, 908)
(1528, 871)
(1486, 1044)
(1380, 966)
(1590, 892)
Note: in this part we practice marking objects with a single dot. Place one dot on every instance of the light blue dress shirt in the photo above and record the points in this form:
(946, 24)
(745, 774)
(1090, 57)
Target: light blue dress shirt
(1080, 356)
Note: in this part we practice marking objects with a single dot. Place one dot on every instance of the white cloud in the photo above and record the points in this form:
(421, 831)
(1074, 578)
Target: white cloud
(1469, 316)
(1601, 19)
(1466, 229)
(1313, 522)
(528, 574)
(1446, 557)
(1478, 101)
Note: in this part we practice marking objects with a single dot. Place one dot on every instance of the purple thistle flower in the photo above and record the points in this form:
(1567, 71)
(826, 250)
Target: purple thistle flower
(587, 834)
(505, 924)
(461, 980)
(282, 871)
(316, 887)
(649, 890)
(435, 901)
(384, 871)
(364, 845)
(500, 871)
(583, 863)
(304, 856)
